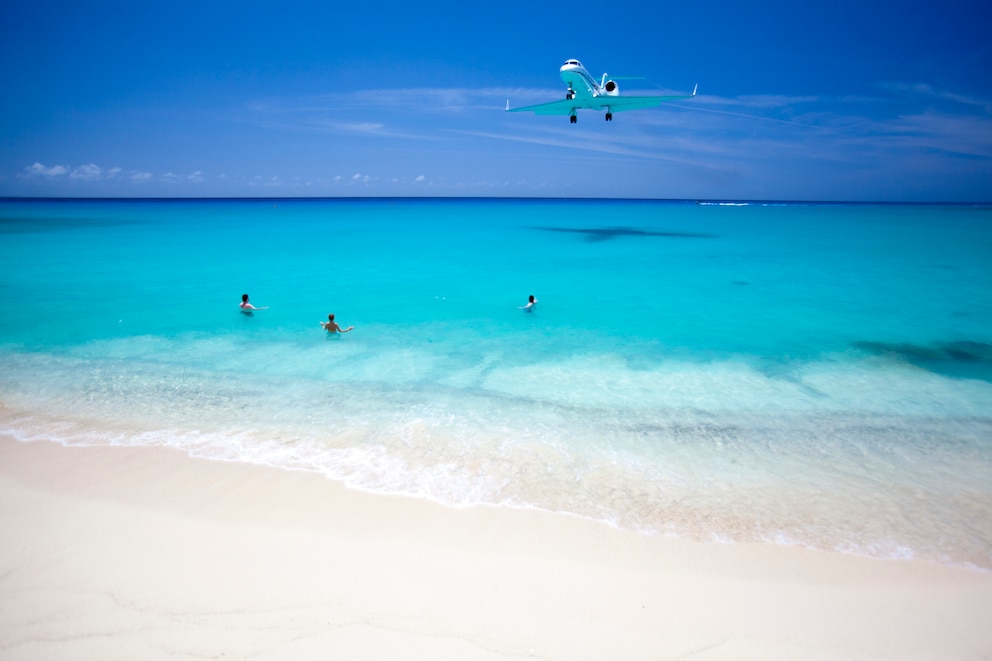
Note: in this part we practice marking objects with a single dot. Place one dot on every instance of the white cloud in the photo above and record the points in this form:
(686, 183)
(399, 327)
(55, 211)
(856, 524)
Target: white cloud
(267, 182)
(193, 178)
(89, 172)
(39, 169)
(361, 127)
(420, 179)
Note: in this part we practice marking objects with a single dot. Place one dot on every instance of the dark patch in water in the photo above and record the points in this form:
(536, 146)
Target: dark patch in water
(740, 282)
(970, 351)
(961, 359)
(597, 234)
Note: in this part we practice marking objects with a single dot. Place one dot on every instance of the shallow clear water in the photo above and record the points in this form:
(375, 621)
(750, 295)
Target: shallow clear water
(816, 375)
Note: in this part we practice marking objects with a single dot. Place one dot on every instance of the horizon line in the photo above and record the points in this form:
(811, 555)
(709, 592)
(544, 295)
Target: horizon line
(674, 200)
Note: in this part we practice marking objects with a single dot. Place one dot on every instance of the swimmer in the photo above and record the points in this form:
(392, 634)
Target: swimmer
(331, 326)
(531, 302)
(247, 307)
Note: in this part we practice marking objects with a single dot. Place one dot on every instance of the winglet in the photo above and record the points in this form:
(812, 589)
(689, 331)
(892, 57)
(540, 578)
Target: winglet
(693, 91)
(507, 105)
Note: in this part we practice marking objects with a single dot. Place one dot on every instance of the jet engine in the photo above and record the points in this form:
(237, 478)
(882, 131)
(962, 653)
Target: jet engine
(612, 88)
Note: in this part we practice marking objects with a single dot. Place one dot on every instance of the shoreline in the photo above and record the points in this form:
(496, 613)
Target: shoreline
(145, 552)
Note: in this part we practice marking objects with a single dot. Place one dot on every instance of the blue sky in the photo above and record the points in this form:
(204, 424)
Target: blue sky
(881, 100)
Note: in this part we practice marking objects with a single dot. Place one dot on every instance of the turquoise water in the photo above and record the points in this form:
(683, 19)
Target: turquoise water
(804, 374)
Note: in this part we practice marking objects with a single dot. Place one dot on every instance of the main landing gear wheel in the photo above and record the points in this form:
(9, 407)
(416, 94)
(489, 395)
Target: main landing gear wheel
(572, 119)
(569, 95)
(609, 117)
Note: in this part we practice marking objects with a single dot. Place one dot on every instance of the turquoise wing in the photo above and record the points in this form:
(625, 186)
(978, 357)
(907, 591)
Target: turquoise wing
(618, 103)
(563, 107)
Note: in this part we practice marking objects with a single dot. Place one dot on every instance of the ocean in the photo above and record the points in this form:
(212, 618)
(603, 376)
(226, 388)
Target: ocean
(808, 374)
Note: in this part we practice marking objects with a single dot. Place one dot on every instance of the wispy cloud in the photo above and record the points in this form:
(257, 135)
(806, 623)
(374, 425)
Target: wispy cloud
(928, 91)
(755, 101)
(566, 139)
(389, 113)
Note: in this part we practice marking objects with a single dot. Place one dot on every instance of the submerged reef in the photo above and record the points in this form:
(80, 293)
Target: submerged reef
(597, 234)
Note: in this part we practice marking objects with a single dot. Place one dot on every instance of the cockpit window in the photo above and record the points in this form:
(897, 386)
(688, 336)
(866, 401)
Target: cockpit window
(572, 62)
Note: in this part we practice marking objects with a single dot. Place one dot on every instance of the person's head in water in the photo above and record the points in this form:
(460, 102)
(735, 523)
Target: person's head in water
(530, 298)
(331, 326)
(247, 307)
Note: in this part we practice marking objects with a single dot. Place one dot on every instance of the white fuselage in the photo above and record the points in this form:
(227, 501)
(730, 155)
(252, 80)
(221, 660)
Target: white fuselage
(578, 79)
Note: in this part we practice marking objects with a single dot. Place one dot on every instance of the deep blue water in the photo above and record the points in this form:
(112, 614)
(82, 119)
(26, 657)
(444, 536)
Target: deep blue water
(810, 374)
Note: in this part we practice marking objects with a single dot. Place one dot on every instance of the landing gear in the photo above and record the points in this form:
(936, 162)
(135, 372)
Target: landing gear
(572, 119)
(609, 117)
(570, 94)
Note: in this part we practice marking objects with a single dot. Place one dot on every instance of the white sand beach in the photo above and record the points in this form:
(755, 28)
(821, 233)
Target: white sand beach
(145, 553)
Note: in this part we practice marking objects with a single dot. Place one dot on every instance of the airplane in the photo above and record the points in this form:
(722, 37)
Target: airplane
(585, 92)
